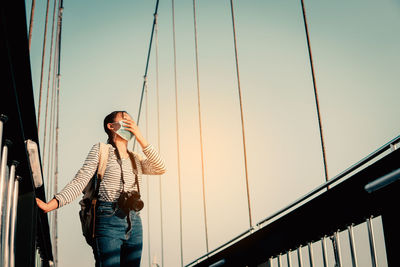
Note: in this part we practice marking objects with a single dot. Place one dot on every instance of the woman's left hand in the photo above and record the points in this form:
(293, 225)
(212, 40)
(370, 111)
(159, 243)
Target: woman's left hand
(131, 126)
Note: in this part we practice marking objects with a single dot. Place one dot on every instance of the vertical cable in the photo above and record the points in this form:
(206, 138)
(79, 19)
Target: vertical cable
(55, 225)
(43, 58)
(31, 22)
(51, 138)
(177, 131)
(200, 128)
(158, 129)
(146, 69)
(315, 90)
(48, 83)
(147, 177)
(241, 113)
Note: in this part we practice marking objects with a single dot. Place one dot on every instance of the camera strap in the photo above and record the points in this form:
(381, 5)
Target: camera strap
(133, 162)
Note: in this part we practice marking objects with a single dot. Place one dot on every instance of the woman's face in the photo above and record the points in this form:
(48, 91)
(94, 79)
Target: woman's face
(120, 116)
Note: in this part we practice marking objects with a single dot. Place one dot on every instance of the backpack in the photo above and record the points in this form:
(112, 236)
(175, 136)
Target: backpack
(87, 214)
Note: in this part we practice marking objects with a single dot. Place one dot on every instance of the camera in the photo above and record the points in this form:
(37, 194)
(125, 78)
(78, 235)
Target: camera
(130, 201)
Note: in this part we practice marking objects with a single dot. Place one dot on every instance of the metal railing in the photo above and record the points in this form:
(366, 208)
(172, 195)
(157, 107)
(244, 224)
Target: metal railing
(314, 256)
(379, 183)
(9, 187)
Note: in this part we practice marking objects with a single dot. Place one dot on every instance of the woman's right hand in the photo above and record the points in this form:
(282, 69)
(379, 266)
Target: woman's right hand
(46, 207)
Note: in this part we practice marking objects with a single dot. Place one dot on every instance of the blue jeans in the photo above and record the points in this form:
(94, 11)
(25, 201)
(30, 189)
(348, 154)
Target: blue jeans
(116, 244)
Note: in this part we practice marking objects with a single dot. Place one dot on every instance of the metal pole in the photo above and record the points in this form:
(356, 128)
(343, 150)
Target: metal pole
(352, 246)
(289, 260)
(270, 262)
(371, 241)
(279, 260)
(310, 254)
(325, 260)
(300, 259)
(13, 220)
(336, 248)
(6, 229)
(3, 120)
(3, 168)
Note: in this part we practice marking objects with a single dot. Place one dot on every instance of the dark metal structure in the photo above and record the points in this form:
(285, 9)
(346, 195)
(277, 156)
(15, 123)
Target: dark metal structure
(367, 189)
(17, 104)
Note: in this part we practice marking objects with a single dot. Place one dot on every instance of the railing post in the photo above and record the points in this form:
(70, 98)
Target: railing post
(289, 260)
(3, 184)
(3, 120)
(324, 257)
(336, 249)
(299, 257)
(14, 220)
(371, 241)
(352, 246)
(310, 254)
(6, 229)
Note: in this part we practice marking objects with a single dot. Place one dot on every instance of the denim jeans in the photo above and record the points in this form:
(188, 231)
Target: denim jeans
(115, 244)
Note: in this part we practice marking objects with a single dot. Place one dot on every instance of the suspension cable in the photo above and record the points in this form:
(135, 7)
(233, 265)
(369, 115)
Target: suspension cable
(315, 90)
(241, 112)
(158, 131)
(177, 129)
(147, 179)
(146, 69)
(55, 225)
(200, 128)
(48, 83)
(31, 22)
(43, 59)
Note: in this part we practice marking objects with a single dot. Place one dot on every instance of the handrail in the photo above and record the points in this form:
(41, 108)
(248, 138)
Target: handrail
(347, 171)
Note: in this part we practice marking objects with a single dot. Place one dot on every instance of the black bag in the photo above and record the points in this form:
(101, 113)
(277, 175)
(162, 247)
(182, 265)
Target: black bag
(87, 214)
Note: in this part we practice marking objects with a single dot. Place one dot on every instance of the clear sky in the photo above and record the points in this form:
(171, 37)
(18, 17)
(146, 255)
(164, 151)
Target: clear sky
(104, 48)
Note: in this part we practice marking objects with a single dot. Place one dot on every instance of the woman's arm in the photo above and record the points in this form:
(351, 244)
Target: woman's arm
(74, 188)
(153, 164)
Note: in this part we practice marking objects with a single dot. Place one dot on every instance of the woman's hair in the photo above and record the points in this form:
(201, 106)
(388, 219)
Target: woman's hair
(110, 119)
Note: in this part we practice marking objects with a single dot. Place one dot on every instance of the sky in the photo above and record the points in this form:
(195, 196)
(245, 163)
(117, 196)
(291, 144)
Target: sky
(104, 49)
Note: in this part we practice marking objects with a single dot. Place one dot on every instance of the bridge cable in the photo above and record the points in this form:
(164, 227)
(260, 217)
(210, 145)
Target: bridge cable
(31, 22)
(55, 225)
(158, 130)
(315, 90)
(147, 177)
(146, 70)
(241, 112)
(200, 126)
(177, 129)
(48, 84)
(43, 59)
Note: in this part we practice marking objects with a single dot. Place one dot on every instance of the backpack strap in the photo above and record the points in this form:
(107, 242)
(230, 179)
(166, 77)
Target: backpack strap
(103, 158)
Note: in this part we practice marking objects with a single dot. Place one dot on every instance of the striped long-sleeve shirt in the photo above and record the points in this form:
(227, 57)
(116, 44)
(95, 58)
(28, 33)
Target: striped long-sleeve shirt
(111, 184)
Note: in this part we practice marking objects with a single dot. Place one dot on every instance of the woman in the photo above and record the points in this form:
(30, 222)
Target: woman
(118, 237)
